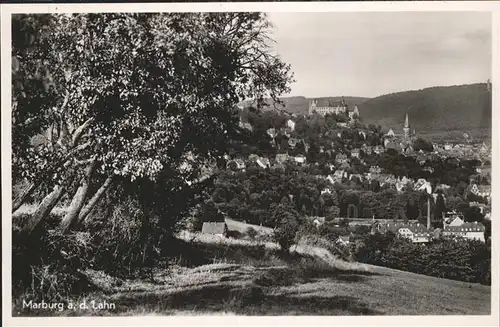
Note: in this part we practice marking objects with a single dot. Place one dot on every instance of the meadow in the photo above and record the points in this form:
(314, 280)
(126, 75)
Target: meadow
(209, 274)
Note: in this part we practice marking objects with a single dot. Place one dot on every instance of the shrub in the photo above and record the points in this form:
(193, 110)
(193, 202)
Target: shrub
(459, 259)
(286, 232)
(251, 232)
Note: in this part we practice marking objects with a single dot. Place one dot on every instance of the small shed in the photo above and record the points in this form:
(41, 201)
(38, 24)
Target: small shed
(214, 228)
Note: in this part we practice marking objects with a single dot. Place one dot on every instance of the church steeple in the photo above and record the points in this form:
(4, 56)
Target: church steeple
(406, 128)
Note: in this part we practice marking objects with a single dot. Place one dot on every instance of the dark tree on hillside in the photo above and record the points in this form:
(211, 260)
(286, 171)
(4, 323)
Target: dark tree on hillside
(439, 208)
(421, 144)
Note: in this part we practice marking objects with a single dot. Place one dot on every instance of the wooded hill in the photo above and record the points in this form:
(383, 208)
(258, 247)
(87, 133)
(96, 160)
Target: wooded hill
(436, 108)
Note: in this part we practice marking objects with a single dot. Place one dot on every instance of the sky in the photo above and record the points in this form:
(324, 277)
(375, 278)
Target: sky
(375, 53)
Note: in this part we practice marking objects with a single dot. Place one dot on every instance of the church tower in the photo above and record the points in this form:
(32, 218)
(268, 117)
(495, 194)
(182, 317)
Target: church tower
(406, 128)
(312, 106)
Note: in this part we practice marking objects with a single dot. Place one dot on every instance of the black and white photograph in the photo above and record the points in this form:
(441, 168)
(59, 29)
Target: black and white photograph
(249, 163)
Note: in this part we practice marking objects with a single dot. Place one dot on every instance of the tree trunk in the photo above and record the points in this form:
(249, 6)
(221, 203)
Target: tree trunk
(77, 203)
(95, 199)
(20, 198)
(145, 232)
(44, 209)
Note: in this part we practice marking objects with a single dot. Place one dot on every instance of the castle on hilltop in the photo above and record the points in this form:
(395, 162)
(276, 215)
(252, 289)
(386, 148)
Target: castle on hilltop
(324, 107)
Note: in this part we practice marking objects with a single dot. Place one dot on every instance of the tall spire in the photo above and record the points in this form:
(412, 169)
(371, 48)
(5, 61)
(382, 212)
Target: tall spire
(406, 129)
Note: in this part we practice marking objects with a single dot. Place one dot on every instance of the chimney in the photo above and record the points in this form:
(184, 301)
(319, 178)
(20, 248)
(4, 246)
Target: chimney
(428, 212)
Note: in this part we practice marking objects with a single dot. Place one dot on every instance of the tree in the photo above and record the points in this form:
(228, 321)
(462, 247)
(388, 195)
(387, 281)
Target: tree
(286, 230)
(440, 207)
(286, 224)
(421, 144)
(251, 232)
(167, 109)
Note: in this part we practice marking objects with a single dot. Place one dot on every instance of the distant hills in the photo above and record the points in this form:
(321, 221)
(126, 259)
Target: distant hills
(442, 108)
(459, 107)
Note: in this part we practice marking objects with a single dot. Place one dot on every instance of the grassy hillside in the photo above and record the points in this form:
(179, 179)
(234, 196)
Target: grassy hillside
(300, 105)
(463, 107)
(228, 276)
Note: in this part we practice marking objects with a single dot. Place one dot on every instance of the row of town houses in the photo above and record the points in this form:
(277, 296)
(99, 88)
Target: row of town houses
(453, 226)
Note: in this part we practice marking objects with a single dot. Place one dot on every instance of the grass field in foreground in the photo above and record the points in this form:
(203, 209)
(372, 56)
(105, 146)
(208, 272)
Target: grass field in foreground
(309, 282)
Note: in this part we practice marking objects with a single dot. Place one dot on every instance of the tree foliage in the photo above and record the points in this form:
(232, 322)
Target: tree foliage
(167, 109)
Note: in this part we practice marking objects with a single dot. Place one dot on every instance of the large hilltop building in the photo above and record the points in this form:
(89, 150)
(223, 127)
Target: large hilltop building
(325, 106)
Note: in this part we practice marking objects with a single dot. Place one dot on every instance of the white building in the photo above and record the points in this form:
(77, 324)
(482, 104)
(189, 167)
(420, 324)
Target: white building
(300, 159)
(472, 231)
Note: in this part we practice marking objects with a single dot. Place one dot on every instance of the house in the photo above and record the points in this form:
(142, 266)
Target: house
(290, 124)
(264, 162)
(286, 131)
(339, 174)
(452, 219)
(344, 240)
(214, 228)
(417, 233)
(271, 132)
(448, 147)
(428, 169)
(480, 190)
(378, 149)
(300, 159)
(484, 148)
(318, 221)
(240, 164)
(355, 153)
(367, 149)
(484, 190)
(472, 231)
(400, 187)
(442, 187)
(482, 207)
(282, 157)
(341, 158)
(421, 159)
(390, 133)
(375, 170)
(342, 124)
(359, 176)
(391, 145)
(326, 191)
(330, 179)
(292, 142)
(278, 165)
(247, 126)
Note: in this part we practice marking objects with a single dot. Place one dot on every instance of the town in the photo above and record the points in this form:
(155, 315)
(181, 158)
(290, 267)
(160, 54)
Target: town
(355, 164)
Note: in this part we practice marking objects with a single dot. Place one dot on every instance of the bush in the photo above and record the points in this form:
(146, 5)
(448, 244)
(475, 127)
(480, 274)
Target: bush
(47, 265)
(251, 232)
(453, 258)
(286, 232)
